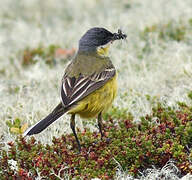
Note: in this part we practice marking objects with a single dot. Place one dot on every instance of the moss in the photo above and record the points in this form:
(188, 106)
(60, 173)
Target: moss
(163, 32)
(135, 146)
(16, 127)
(168, 31)
(49, 54)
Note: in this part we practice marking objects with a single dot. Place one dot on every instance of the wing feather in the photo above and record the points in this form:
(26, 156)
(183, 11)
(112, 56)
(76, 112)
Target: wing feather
(74, 89)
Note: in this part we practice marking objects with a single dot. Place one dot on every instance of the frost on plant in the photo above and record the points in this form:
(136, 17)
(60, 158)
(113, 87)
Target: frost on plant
(13, 165)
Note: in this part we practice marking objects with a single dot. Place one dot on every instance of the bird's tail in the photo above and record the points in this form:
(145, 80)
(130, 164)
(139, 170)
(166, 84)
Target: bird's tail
(44, 123)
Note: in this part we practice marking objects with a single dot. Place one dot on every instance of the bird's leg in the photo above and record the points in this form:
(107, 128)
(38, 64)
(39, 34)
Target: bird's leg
(100, 124)
(72, 124)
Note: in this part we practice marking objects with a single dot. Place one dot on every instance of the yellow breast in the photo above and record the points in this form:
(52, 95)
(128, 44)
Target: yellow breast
(98, 101)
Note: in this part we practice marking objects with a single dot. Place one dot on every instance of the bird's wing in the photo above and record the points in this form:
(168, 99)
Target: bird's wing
(74, 89)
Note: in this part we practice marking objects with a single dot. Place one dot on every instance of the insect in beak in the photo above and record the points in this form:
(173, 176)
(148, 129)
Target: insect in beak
(119, 35)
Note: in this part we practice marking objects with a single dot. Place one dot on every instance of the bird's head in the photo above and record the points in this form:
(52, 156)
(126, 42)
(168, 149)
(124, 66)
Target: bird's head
(98, 40)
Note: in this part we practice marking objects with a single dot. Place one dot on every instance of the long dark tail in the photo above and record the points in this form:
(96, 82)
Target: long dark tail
(44, 123)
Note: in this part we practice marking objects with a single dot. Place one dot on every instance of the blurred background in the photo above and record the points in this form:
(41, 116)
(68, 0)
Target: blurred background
(38, 38)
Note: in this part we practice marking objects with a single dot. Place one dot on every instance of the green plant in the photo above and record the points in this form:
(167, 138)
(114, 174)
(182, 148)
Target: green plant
(16, 127)
(46, 53)
(164, 134)
(169, 31)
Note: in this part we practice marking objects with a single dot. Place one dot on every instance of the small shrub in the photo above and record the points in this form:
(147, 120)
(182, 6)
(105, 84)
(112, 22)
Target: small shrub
(48, 54)
(16, 127)
(170, 31)
(135, 147)
(158, 33)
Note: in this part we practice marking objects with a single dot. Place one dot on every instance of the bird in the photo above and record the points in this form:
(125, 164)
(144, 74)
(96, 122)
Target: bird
(89, 83)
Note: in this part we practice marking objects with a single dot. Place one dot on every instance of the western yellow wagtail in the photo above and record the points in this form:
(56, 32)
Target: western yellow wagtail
(89, 84)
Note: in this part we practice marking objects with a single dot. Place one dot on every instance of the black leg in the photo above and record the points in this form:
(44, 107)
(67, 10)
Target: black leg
(72, 123)
(100, 124)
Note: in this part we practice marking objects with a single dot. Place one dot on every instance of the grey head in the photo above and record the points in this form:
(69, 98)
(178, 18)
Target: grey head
(96, 37)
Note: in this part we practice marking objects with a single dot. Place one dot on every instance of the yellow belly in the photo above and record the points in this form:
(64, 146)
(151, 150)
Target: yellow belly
(98, 101)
